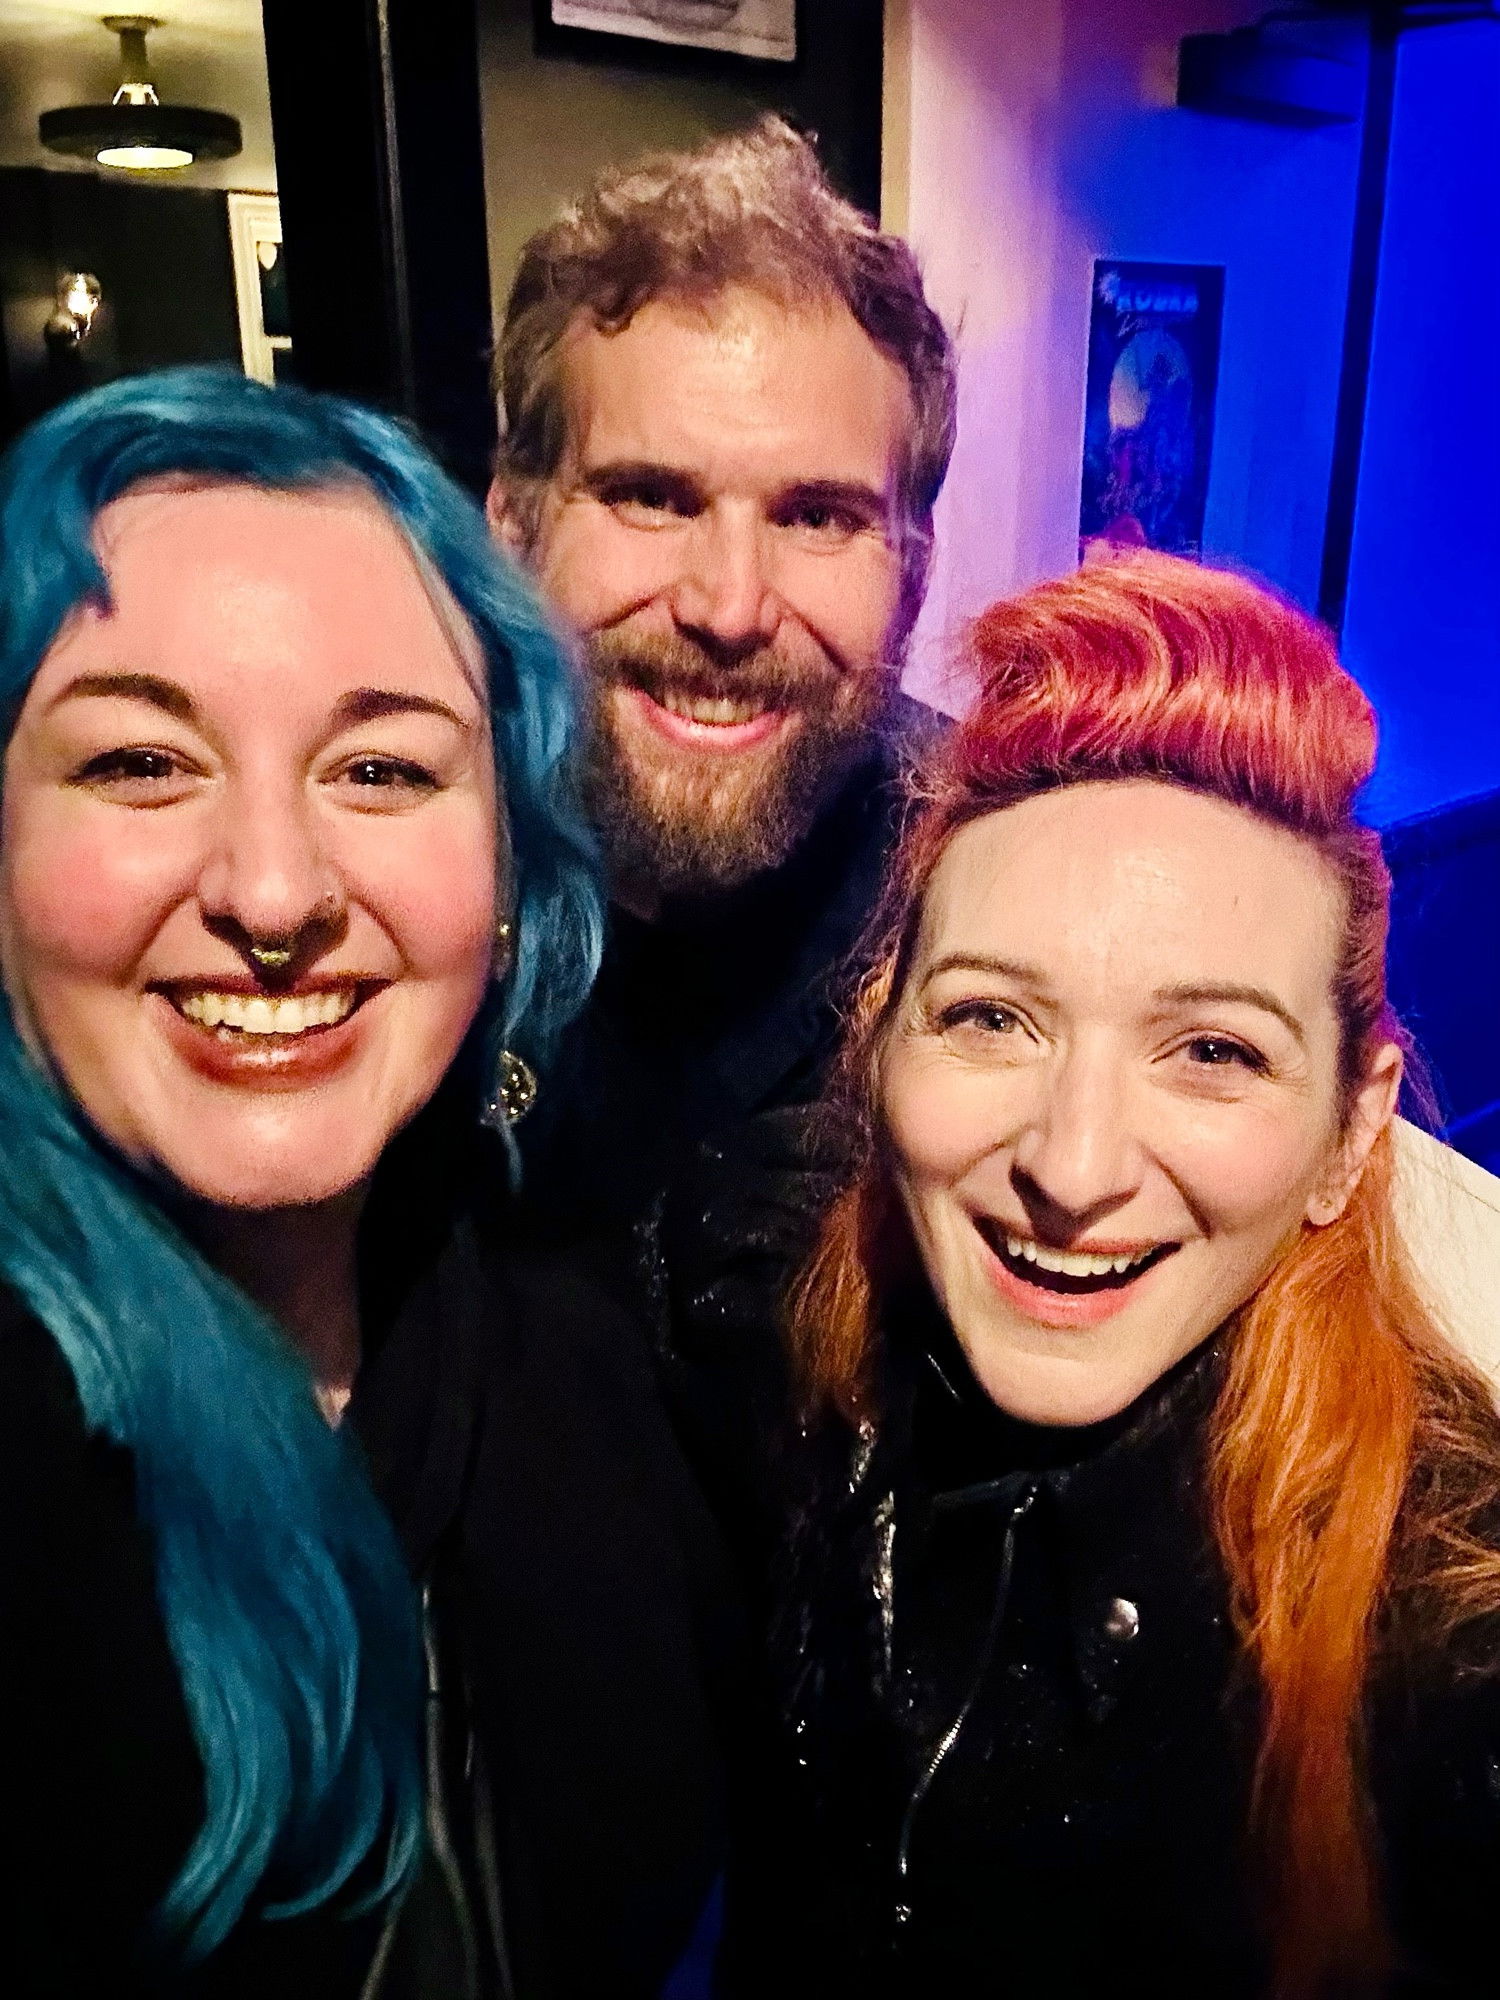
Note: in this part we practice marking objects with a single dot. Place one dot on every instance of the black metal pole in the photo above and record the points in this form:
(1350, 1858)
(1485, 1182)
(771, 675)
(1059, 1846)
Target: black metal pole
(380, 168)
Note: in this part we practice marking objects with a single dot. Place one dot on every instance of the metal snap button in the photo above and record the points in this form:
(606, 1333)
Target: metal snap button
(1122, 1621)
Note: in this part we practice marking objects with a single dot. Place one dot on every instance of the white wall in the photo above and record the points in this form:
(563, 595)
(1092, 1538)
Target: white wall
(1024, 138)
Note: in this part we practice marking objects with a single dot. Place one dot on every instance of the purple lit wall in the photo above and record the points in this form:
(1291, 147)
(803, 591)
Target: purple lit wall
(1024, 138)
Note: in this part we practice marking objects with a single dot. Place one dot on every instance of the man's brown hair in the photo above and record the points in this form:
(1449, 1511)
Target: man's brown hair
(753, 208)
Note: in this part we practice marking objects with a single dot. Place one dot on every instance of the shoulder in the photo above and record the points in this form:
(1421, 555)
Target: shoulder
(98, 1753)
(44, 1440)
(1435, 1758)
(917, 730)
(1449, 1210)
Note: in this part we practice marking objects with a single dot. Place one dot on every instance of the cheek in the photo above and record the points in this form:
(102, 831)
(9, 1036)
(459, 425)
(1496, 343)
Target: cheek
(83, 896)
(849, 601)
(434, 887)
(1248, 1169)
(594, 571)
(938, 1119)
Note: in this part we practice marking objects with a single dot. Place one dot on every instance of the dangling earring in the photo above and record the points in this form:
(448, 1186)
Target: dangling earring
(514, 1092)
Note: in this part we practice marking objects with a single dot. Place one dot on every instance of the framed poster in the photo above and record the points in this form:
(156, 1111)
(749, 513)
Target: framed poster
(765, 30)
(1153, 373)
(259, 284)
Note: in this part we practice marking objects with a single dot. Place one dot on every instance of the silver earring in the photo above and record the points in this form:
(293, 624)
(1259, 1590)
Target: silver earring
(514, 1092)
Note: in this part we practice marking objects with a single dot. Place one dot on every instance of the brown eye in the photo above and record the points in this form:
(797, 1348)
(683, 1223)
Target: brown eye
(390, 771)
(136, 765)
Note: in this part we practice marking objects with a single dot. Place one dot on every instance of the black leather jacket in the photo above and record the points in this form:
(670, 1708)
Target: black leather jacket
(1015, 1734)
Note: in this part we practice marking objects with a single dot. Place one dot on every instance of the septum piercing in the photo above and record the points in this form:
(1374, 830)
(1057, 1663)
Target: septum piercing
(272, 957)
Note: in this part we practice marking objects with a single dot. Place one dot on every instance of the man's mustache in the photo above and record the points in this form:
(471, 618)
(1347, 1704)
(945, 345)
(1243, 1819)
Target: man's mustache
(677, 667)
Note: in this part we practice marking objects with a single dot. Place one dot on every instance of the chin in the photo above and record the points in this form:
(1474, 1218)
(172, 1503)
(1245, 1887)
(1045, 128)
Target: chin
(252, 1177)
(1061, 1392)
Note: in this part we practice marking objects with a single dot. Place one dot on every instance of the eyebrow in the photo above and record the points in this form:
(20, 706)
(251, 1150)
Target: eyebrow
(1188, 993)
(972, 961)
(163, 694)
(370, 704)
(357, 706)
(1232, 994)
(598, 479)
(851, 493)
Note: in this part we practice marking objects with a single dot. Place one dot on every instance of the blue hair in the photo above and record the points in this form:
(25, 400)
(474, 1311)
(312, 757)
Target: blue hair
(286, 1601)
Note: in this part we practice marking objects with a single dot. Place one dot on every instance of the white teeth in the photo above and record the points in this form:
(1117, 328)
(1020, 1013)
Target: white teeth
(1071, 1263)
(255, 1014)
(720, 709)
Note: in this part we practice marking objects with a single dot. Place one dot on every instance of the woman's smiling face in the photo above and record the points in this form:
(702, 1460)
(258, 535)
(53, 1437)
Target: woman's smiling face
(1111, 1085)
(274, 740)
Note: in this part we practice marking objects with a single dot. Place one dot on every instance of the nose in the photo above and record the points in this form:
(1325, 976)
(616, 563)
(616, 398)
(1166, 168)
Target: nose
(268, 881)
(1078, 1159)
(724, 597)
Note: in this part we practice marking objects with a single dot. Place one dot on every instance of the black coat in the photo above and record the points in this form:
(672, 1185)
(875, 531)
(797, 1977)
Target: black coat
(515, 1432)
(1017, 1735)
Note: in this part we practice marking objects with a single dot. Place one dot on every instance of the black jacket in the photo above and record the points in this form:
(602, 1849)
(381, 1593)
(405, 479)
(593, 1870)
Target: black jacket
(515, 1432)
(1017, 1735)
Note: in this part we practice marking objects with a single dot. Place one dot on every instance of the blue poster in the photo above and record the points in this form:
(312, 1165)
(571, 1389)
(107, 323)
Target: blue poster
(1149, 414)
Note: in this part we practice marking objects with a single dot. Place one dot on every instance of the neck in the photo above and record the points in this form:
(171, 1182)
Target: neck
(298, 1264)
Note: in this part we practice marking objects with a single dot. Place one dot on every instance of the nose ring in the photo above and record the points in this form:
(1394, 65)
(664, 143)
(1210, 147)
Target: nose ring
(272, 957)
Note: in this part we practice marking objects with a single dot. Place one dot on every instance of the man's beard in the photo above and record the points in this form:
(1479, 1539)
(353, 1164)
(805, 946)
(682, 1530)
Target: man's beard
(681, 822)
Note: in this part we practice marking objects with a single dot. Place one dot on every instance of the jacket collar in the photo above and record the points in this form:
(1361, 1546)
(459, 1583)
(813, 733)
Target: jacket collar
(1122, 1502)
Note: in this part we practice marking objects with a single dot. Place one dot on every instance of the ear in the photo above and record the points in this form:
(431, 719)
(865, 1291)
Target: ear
(504, 517)
(1373, 1109)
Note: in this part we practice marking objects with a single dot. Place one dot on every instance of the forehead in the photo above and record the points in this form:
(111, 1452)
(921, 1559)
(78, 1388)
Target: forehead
(208, 577)
(738, 385)
(1115, 890)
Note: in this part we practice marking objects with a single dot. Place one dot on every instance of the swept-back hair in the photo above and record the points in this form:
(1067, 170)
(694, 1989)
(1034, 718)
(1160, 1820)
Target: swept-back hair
(1354, 1456)
(751, 208)
(285, 1598)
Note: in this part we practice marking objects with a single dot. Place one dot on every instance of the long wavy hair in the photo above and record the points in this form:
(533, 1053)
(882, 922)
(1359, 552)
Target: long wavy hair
(286, 1602)
(1354, 1456)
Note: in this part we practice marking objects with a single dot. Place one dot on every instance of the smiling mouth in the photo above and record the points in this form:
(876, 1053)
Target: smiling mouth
(233, 1016)
(717, 711)
(724, 722)
(1069, 1272)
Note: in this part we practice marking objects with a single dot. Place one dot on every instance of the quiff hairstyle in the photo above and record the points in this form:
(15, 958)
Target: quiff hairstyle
(753, 208)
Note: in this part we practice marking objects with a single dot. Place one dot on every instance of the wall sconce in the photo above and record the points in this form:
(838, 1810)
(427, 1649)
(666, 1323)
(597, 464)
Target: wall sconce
(78, 299)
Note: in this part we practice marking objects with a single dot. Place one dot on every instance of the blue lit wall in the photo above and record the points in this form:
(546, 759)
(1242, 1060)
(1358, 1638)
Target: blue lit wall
(1422, 629)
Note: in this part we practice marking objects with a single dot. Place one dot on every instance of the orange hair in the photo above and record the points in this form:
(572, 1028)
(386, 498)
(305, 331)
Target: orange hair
(1340, 1387)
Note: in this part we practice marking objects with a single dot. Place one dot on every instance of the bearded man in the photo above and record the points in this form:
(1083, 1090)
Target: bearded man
(727, 409)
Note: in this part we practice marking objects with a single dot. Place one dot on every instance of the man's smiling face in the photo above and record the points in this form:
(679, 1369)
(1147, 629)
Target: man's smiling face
(723, 532)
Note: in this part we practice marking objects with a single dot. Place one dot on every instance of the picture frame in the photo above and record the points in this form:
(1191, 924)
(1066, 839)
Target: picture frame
(1153, 370)
(753, 30)
(259, 284)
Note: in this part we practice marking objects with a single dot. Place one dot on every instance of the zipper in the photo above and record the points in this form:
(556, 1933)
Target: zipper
(1020, 1507)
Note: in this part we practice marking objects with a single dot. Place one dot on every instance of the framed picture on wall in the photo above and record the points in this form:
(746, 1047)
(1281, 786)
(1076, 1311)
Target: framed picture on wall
(764, 30)
(1153, 376)
(260, 284)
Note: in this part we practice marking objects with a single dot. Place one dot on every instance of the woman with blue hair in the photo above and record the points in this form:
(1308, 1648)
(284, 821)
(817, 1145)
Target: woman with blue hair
(288, 843)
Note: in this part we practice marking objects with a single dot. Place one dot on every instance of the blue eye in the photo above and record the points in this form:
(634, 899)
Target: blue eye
(987, 1015)
(1219, 1052)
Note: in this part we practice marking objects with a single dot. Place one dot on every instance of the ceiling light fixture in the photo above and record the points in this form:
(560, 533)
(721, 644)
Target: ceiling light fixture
(135, 130)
